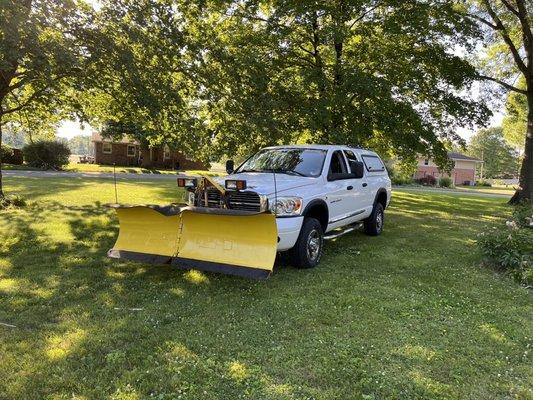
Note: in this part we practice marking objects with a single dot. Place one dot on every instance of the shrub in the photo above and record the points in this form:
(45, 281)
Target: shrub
(445, 181)
(508, 247)
(46, 154)
(401, 180)
(483, 183)
(428, 180)
(5, 153)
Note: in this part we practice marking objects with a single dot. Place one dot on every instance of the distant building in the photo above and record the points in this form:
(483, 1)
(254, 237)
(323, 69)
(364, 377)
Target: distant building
(128, 153)
(463, 172)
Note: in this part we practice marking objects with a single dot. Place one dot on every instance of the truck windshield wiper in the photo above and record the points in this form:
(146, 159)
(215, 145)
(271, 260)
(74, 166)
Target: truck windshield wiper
(250, 170)
(288, 172)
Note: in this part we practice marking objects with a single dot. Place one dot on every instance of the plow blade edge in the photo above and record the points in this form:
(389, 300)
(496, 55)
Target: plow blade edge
(236, 243)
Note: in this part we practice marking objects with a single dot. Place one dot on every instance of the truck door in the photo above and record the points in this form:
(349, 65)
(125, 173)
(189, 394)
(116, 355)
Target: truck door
(360, 201)
(339, 191)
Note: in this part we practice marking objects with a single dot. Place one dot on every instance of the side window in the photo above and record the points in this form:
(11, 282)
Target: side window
(337, 165)
(373, 163)
(350, 156)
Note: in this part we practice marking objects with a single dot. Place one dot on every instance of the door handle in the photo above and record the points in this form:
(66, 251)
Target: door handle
(365, 184)
(350, 187)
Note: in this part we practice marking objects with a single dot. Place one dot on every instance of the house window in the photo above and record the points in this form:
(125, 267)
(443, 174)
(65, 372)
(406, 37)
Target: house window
(107, 148)
(166, 153)
(131, 150)
(426, 161)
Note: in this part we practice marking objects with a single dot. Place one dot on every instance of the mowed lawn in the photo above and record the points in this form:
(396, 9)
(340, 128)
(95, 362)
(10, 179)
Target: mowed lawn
(409, 314)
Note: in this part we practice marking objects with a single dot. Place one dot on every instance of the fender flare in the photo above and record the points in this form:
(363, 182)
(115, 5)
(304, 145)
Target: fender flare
(378, 193)
(320, 203)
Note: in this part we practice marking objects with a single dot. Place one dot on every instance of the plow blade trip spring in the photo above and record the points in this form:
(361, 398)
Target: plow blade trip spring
(231, 242)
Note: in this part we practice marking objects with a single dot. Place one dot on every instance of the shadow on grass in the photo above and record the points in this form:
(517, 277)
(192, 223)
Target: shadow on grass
(380, 316)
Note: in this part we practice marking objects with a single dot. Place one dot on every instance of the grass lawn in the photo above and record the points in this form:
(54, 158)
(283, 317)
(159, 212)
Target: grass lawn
(106, 169)
(485, 189)
(409, 314)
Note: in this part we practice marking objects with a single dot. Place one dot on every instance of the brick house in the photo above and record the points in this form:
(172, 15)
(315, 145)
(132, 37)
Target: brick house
(128, 153)
(463, 172)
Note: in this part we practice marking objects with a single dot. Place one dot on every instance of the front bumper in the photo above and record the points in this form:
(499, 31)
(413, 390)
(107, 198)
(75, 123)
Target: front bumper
(288, 231)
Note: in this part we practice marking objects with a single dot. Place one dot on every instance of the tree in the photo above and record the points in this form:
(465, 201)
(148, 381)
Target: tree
(515, 122)
(81, 144)
(373, 73)
(500, 159)
(213, 76)
(507, 28)
(39, 51)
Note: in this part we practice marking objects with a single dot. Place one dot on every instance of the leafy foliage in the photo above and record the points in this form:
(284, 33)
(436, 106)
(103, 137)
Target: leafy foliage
(428, 180)
(46, 154)
(445, 181)
(241, 75)
(499, 158)
(509, 248)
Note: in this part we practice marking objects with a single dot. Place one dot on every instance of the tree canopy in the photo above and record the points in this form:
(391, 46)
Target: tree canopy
(232, 76)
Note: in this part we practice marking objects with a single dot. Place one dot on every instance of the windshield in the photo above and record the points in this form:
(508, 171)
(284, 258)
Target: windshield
(303, 162)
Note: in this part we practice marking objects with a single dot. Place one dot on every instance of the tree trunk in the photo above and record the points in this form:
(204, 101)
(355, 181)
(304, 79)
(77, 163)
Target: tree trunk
(525, 185)
(1, 187)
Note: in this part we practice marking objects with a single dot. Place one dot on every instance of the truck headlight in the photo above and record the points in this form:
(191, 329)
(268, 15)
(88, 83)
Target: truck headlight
(286, 206)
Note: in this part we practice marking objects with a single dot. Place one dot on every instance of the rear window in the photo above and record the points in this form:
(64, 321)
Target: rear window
(373, 163)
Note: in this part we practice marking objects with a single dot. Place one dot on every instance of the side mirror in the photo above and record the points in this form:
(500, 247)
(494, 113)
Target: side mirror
(230, 166)
(358, 169)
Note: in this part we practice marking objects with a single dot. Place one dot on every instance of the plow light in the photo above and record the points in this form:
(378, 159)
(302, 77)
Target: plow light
(187, 182)
(235, 185)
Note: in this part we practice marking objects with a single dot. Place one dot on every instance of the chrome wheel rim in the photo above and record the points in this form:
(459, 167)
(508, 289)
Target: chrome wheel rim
(313, 245)
(379, 221)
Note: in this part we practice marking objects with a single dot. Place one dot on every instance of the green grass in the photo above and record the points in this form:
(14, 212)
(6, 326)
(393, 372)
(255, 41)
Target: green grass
(409, 314)
(486, 189)
(107, 169)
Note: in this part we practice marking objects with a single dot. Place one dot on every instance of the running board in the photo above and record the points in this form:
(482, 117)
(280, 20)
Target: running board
(336, 233)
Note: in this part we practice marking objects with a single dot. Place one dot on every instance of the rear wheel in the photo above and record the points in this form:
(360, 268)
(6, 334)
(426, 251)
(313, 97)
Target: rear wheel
(307, 251)
(374, 223)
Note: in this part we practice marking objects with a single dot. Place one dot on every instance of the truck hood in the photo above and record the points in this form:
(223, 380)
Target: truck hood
(263, 182)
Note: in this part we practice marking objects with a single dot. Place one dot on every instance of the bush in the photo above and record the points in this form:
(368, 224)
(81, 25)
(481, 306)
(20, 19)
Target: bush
(401, 180)
(445, 181)
(509, 248)
(46, 154)
(428, 180)
(483, 183)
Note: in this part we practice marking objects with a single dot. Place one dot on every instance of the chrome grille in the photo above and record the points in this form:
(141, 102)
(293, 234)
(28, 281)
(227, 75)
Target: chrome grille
(247, 201)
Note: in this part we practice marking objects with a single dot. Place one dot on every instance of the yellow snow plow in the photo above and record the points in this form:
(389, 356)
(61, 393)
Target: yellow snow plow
(206, 235)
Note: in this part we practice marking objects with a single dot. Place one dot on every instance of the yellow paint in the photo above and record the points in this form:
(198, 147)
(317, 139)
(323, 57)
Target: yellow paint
(247, 241)
(144, 230)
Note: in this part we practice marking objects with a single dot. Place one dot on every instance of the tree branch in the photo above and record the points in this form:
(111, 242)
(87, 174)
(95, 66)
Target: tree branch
(502, 83)
(526, 28)
(482, 20)
(510, 7)
(505, 35)
(364, 14)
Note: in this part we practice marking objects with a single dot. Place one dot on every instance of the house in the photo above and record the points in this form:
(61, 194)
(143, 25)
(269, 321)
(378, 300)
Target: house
(463, 172)
(129, 153)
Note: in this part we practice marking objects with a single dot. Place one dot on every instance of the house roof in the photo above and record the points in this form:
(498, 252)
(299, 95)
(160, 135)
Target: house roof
(458, 156)
(96, 137)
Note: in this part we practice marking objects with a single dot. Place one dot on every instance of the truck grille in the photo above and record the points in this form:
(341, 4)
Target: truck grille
(213, 198)
(247, 201)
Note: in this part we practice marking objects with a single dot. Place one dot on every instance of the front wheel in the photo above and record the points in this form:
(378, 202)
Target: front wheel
(374, 223)
(307, 251)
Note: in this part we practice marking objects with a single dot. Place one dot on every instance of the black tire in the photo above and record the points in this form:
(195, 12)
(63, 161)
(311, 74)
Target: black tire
(304, 254)
(374, 223)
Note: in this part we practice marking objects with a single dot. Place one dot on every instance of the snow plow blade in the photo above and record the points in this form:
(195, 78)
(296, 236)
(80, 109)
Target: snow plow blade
(227, 241)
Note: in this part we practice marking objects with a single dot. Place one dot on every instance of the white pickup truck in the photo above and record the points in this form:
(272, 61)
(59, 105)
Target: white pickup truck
(316, 192)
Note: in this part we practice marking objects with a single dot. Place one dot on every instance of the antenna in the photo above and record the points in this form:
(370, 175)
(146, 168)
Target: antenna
(115, 179)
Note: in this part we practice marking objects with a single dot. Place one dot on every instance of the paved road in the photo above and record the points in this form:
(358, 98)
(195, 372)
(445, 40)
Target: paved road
(98, 175)
(125, 176)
